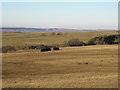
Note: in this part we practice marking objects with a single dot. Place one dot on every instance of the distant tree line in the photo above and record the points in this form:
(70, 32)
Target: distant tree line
(6, 49)
(53, 34)
(110, 39)
(74, 42)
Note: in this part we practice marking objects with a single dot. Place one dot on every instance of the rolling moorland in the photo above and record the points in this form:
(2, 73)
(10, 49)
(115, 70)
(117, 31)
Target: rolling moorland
(48, 38)
(94, 66)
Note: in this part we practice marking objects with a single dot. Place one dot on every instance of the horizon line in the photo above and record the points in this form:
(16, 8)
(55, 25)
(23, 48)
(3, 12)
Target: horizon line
(63, 28)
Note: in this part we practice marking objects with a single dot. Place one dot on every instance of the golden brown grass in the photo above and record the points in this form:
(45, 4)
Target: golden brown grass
(23, 39)
(71, 67)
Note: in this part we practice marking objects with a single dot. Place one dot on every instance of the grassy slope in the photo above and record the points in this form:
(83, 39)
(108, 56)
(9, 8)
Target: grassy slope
(20, 39)
(64, 68)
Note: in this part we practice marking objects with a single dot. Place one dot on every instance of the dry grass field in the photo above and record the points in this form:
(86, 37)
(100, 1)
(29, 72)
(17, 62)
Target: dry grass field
(55, 44)
(23, 39)
(71, 67)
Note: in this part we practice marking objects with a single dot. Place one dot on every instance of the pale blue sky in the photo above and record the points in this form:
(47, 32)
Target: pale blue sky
(79, 15)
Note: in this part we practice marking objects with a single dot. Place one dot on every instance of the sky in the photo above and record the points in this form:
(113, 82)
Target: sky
(76, 15)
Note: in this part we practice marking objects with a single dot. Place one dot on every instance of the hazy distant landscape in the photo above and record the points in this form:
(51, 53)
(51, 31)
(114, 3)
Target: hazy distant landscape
(14, 29)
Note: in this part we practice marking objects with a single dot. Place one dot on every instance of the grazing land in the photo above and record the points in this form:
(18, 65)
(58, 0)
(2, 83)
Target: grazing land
(47, 38)
(94, 66)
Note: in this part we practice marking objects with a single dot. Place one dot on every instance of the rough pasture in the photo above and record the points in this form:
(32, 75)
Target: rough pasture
(70, 67)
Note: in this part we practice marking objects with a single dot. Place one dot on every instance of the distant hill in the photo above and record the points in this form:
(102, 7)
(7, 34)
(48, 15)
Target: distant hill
(22, 29)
